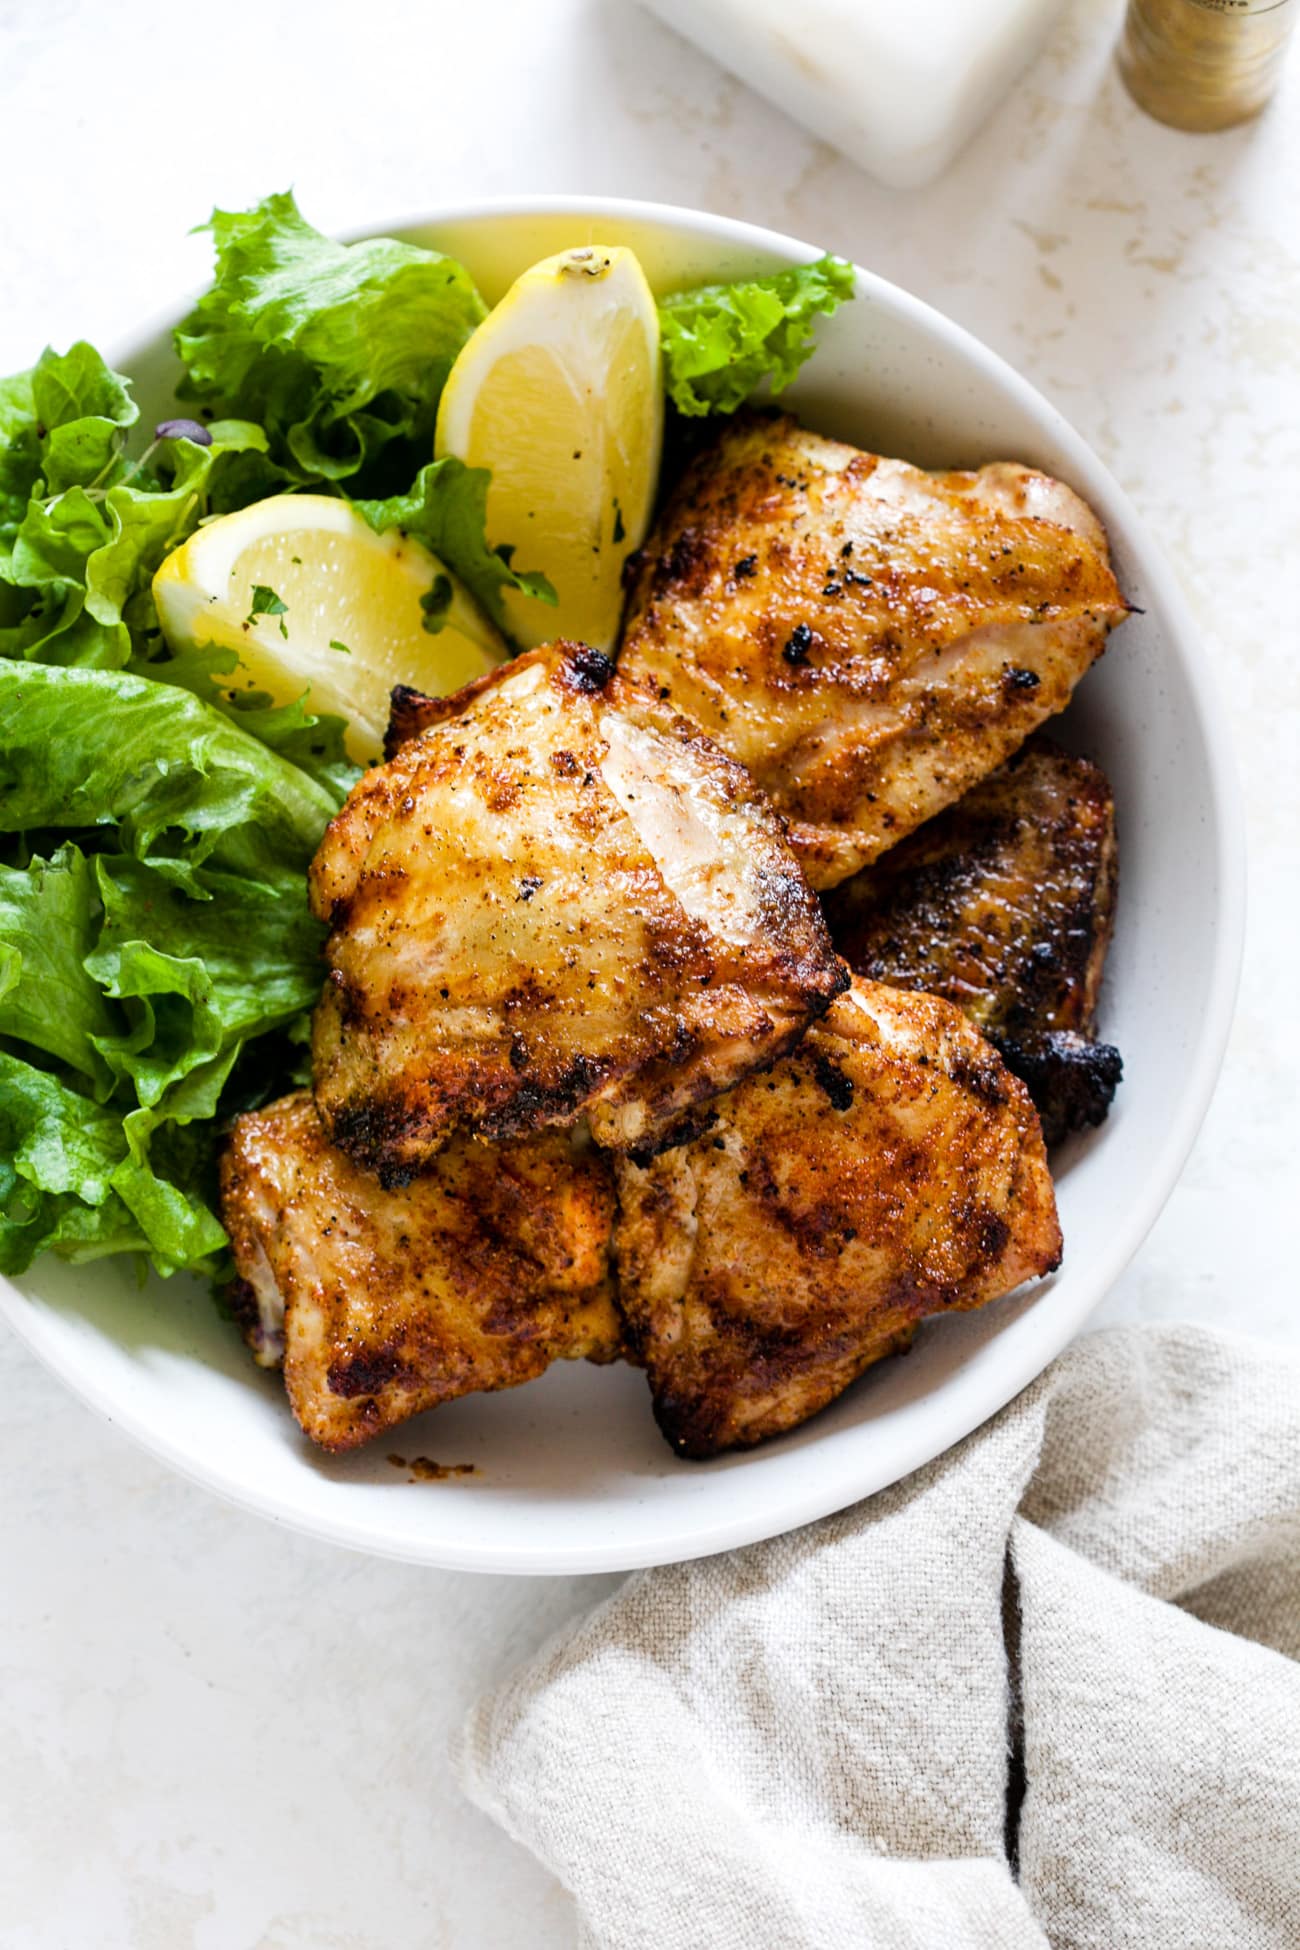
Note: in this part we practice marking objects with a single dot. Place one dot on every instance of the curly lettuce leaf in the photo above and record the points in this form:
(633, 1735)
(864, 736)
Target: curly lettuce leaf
(173, 777)
(150, 513)
(167, 1181)
(143, 957)
(339, 350)
(198, 969)
(446, 509)
(76, 566)
(84, 411)
(314, 744)
(20, 453)
(58, 1153)
(193, 979)
(721, 341)
(47, 997)
(63, 424)
(81, 1180)
(55, 540)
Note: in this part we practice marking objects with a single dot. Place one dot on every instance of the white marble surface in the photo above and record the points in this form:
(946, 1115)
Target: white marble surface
(219, 1736)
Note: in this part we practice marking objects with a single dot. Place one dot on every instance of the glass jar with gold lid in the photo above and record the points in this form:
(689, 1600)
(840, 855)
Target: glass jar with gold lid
(1204, 64)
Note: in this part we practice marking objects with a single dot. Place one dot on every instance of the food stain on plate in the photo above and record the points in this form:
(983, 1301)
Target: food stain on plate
(424, 1470)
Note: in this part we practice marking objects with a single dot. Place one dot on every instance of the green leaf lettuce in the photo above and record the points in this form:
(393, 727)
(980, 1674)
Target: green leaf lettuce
(339, 350)
(446, 509)
(722, 341)
(141, 958)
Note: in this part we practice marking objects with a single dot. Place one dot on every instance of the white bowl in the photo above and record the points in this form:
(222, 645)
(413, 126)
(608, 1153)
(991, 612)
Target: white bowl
(571, 1474)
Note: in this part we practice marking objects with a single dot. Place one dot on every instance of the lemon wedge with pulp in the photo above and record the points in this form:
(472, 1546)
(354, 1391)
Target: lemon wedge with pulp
(559, 393)
(311, 598)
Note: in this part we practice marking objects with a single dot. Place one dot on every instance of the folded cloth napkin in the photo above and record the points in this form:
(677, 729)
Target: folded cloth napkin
(1042, 1692)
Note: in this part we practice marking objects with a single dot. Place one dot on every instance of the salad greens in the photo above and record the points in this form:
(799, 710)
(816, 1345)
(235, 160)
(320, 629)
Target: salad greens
(157, 954)
(721, 341)
(159, 922)
(339, 350)
(82, 526)
(446, 509)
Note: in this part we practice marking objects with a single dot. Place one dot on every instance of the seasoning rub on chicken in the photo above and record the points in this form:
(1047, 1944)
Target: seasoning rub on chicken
(891, 1168)
(598, 1081)
(559, 898)
(477, 1276)
(869, 639)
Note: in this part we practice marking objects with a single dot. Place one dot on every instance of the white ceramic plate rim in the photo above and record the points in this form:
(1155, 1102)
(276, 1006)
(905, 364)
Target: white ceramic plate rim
(1046, 1331)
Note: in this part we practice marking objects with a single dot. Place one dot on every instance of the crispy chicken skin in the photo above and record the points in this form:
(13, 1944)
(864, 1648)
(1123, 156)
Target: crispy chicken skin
(869, 639)
(559, 898)
(1004, 904)
(891, 1168)
(478, 1276)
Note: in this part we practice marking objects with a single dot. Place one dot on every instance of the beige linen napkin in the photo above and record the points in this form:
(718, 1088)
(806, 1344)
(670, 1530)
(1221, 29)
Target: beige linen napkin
(1043, 1692)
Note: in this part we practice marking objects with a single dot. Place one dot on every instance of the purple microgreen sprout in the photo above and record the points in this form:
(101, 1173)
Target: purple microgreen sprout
(183, 430)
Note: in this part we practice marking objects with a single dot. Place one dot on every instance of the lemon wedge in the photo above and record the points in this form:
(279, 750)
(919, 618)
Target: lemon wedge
(311, 598)
(559, 393)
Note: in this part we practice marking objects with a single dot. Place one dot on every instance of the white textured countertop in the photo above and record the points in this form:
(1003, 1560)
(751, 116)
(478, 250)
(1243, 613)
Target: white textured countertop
(218, 1735)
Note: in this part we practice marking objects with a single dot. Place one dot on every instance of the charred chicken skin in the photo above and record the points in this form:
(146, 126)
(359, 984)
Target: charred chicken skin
(1004, 905)
(891, 1168)
(478, 1276)
(559, 898)
(867, 638)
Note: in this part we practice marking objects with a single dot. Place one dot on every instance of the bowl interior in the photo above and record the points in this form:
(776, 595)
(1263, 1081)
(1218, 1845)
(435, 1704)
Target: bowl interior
(570, 1471)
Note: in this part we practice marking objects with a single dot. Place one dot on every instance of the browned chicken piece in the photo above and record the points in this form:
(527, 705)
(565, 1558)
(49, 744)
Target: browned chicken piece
(1004, 905)
(867, 638)
(558, 899)
(891, 1168)
(482, 1273)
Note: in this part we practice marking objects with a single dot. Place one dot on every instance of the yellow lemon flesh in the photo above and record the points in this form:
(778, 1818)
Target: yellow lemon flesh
(311, 599)
(559, 393)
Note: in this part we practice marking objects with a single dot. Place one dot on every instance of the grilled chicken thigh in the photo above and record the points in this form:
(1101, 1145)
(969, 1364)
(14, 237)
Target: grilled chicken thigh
(891, 1168)
(559, 898)
(1004, 905)
(478, 1276)
(869, 639)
